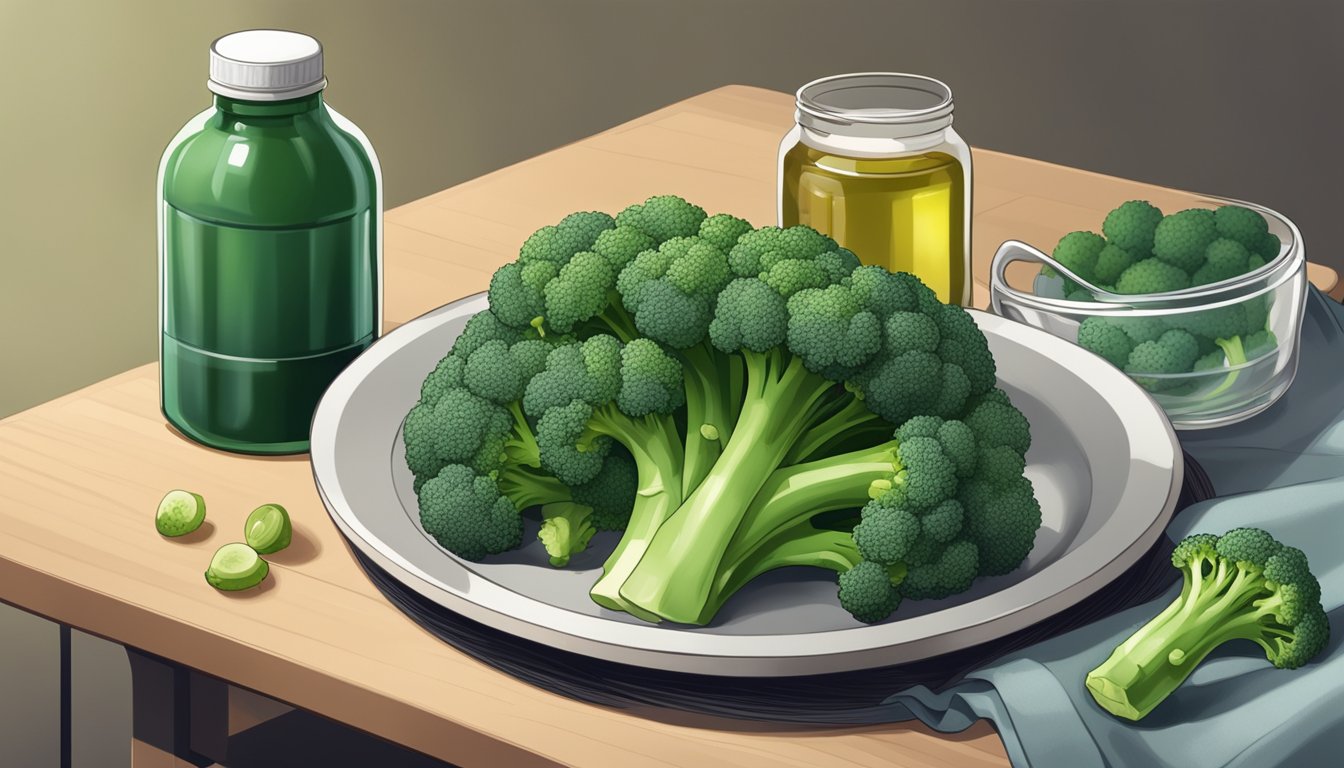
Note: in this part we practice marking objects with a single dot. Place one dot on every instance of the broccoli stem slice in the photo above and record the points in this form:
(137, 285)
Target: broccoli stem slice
(675, 576)
(656, 446)
(712, 401)
(1236, 355)
(566, 529)
(1230, 603)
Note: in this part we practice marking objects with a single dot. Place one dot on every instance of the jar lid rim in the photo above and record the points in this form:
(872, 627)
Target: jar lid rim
(909, 98)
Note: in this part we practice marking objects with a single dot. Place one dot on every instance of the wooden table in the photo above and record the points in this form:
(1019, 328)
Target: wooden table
(80, 476)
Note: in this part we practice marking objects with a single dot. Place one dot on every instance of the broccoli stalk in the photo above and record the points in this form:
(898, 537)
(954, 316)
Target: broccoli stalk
(1243, 585)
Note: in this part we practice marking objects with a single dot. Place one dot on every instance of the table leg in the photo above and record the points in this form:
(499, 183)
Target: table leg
(179, 718)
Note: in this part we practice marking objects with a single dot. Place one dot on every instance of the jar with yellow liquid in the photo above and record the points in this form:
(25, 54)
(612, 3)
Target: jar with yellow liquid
(874, 163)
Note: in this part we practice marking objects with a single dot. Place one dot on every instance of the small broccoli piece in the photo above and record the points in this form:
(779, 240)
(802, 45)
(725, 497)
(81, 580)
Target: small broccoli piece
(663, 217)
(1111, 264)
(1132, 226)
(566, 529)
(952, 573)
(1141, 328)
(723, 230)
(1152, 276)
(466, 514)
(1100, 336)
(1259, 344)
(1243, 585)
(1225, 259)
(621, 244)
(885, 532)
(1241, 224)
(1181, 238)
(1078, 252)
(1269, 246)
(1175, 352)
(1210, 362)
(867, 593)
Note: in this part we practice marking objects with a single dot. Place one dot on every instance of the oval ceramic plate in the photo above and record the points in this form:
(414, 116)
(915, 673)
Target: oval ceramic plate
(1104, 461)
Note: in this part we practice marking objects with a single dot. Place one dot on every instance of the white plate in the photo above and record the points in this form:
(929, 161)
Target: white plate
(1104, 460)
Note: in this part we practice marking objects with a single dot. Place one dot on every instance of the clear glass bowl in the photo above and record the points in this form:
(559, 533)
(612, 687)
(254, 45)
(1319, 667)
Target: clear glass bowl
(1225, 394)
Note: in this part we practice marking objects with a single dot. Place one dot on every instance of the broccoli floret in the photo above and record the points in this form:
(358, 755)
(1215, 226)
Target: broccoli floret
(1243, 585)
(1175, 352)
(1152, 276)
(1268, 247)
(1181, 238)
(1241, 224)
(664, 217)
(466, 514)
(601, 504)
(723, 230)
(1132, 226)
(1111, 264)
(1078, 252)
(1225, 259)
(1103, 337)
(621, 244)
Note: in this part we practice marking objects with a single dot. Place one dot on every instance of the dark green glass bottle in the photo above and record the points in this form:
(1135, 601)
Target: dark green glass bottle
(269, 249)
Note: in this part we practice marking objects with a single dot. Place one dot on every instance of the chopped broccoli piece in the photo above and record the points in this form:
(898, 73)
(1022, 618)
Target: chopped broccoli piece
(1241, 224)
(1243, 585)
(1152, 276)
(1132, 226)
(1079, 251)
(1103, 337)
(1181, 238)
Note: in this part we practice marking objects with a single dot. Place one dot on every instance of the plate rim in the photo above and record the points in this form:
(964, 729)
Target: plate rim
(750, 655)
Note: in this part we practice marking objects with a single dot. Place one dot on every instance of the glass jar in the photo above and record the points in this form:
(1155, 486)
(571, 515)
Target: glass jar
(270, 249)
(873, 162)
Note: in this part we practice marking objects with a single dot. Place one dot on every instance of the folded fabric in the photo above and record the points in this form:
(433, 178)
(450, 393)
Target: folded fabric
(1282, 471)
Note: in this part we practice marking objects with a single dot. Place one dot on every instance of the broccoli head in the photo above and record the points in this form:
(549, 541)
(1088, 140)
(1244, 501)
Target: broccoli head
(1181, 238)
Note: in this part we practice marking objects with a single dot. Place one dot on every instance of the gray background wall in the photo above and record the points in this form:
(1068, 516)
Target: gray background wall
(1233, 97)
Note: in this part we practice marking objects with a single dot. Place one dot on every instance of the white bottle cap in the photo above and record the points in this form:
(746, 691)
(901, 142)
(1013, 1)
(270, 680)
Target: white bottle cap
(266, 65)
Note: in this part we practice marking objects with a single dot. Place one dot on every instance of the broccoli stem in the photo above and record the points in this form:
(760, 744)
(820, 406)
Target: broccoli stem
(850, 424)
(834, 550)
(526, 488)
(521, 447)
(793, 495)
(675, 576)
(656, 446)
(1236, 355)
(1211, 610)
(566, 529)
(712, 399)
(617, 320)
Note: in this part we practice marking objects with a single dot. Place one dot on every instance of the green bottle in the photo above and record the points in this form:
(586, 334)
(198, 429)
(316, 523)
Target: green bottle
(270, 249)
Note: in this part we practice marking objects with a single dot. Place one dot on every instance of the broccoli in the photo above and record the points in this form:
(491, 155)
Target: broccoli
(1152, 276)
(1132, 226)
(1243, 585)
(1079, 252)
(732, 400)
(1181, 238)
(1188, 249)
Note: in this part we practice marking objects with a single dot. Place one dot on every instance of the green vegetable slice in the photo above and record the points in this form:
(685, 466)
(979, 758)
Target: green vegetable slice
(268, 529)
(179, 513)
(235, 567)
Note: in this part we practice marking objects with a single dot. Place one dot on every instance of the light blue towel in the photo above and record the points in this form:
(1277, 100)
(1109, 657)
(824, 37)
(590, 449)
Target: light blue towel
(1282, 471)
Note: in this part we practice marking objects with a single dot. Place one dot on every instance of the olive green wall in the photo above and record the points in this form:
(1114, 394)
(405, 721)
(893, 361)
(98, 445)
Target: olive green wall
(1233, 97)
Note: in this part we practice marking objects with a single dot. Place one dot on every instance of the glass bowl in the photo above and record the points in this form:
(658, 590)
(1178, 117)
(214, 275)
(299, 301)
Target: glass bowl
(1254, 370)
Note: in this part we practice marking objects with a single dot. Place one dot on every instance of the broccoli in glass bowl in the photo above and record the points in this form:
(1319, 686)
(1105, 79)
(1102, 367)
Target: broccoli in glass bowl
(1201, 307)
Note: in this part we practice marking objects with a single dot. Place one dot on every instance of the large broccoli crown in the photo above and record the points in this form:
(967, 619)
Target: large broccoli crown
(1243, 585)
(686, 378)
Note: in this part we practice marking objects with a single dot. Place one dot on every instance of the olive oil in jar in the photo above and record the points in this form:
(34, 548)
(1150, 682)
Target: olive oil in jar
(873, 162)
(902, 213)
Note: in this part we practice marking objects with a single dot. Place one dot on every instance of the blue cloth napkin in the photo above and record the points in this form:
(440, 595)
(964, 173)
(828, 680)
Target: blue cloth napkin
(1282, 471)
